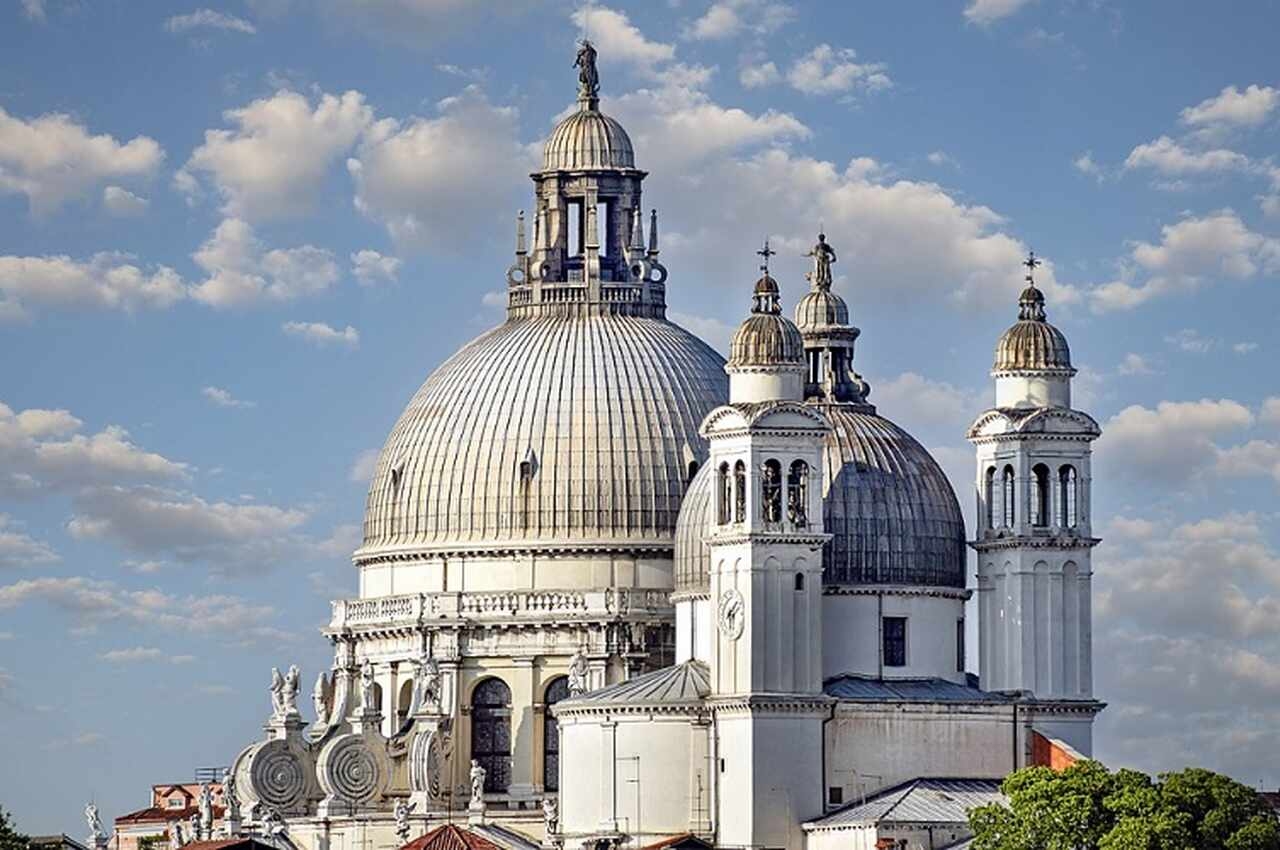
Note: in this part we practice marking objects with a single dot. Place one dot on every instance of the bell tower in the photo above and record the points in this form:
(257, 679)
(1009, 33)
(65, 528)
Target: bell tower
(765, 544)
(1034, 532)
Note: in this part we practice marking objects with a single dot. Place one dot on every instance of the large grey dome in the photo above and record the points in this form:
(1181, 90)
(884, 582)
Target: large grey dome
(889, 507)
(555, 432)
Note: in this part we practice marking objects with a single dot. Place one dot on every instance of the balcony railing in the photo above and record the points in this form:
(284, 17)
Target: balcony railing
(532, 605)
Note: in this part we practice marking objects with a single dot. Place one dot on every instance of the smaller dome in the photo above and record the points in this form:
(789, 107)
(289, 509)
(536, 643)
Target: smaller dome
(767, 339)
(1032, 343)
(587, 140)
(692, 569)
(766, 285)
(821, 308)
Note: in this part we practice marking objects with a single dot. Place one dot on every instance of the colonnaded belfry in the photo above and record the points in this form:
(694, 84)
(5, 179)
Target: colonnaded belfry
(614, 589)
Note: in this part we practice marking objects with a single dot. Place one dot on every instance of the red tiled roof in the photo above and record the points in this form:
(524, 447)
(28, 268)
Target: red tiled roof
(687, 839)
(158, 813)
(242, 843)
(449, 837)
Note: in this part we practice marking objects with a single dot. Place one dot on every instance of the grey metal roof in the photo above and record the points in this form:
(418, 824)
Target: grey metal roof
(821, 308)
(557, 430)
(692, 568)
(588, 139)
(682, 684)
(910, 690)
(927, 801)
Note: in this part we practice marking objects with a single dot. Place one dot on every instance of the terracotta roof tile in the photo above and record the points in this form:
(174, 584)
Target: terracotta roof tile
(450, 837)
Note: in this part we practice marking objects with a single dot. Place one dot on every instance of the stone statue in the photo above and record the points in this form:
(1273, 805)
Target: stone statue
(823, 256)
(205, 802)
(551, 814)
(320, 697)
(477, 785)
(273, 826)
(176, 838)
(196, 834)
(426, 678)
(96, 832)
(401, 812)
(578, 673)
(367, 685)
(588, 78)
(230, 800)
(277, 693)
(289, 696)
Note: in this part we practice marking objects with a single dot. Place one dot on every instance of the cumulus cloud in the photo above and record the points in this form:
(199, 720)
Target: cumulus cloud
(34, 9)
(1134, 364)
(208, 19)
(319, 333)
(984, 12)
(828, 70)
(1171, 443)
(1190, 254)
(726, 19)
(1086, 164)
(274, 161)
(754, 76)
(106, 281)
(433, 181)
(1233, 107)
(136, 654)
(620, 41)
(241, 271)
(223, 398)
(917, 402)
(1170, 157)
(53, 159)
(17, 549)
(1191, 341)
(122, 203)
(371, 267)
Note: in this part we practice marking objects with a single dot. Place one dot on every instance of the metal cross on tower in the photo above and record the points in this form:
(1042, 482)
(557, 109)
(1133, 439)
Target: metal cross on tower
(766, 252)
(1031, 262)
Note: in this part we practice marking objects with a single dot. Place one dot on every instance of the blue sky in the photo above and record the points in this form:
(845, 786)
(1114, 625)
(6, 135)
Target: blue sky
(234, 239)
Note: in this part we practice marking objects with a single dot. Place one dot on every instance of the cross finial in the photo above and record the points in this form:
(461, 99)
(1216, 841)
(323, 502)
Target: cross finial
(766, 252)
(1031, 262)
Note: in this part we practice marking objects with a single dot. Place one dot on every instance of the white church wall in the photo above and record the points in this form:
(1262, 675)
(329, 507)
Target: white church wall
(1033, 391)
(693, 629)
(530, 571)
(851, 638)
(873, 746)
(748, 387)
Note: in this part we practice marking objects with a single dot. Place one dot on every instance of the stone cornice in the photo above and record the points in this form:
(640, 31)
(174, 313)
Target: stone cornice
(814, 541)
(754, 704)
(495, 549)
(1070, 543)
(934, 591)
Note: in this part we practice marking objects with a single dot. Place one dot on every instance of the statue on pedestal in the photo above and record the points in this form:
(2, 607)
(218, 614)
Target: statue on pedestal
(551, 814)
(289, 695)
(230, 800)
(401, 813)
(477, 785)
(97, 835)
(823, 256)
(205, 803)
(277, 693)
(578, 673)
(368, 698)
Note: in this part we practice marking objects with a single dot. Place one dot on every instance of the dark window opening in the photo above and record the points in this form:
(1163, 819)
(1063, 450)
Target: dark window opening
(556, 691)
(491, 733)
(960, 645)
(1040, 495)
(989, 497)
(835, 795)
(726, 495)
(739, 492)
(895, 641)
(771, 491)
(798, 494)
(799, 581)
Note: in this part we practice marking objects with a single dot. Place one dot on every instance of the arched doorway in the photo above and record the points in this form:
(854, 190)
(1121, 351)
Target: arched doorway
(491, 733)
(557, 690)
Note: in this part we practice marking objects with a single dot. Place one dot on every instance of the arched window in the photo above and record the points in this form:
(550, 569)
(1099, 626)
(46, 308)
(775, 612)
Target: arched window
(491, 733)
(726, 495)
(691, 470)
(989, 497)
(403, 703)
(1067, 513)
(739, 492)
(771, 491)
(556, 691)
(798, 494)
(1010, 496)
(377, 699)
(1040, 495)
(799, 581)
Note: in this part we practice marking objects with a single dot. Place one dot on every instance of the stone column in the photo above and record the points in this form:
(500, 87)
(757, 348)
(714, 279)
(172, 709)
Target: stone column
(523, 756)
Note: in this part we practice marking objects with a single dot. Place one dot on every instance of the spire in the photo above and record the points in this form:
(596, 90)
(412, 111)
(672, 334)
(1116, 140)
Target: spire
(1031, 301)
(520, 244)
(653, 233)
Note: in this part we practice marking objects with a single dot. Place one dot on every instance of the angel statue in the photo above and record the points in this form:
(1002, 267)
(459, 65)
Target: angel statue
(277, 692)
(290, 694)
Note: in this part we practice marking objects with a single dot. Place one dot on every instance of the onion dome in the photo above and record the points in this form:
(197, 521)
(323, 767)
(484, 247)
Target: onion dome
(766, 338)
(821, 308)
(692, 557)
(1032, 343)
(565, 431)
(588, 140)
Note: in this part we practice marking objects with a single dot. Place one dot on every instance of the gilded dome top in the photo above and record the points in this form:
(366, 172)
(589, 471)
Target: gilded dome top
(766, 338)
(558, 431)
(889, 507)
(588, 140)
(1031, 342)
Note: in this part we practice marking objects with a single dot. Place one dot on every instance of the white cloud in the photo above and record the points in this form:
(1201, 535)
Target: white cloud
(371, 267)
(53, 159)
(827, 70)
(208, 19)
(619, 40)
(363, 468)
(728, 18)
(136, 654)
(1191, 253)
(433, 182)
(40, 449)
(985, 12)
(275, 161)
(1134, 364)
(242, 272)
(1172, 443)
(1191, 341)
(106, 281)
(224, 398)
(1231, 106)
(940, 158)
(1171, 158)
(322, 334)
(34, 9)
(121, 202)
(1086, 164)
(917, 401)
(710, 330)
(1244, 347)
(758, 75)
(17, 549)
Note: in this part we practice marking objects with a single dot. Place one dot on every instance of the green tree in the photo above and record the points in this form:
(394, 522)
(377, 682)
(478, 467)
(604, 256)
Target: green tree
(10, 838)
(1087, 807)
